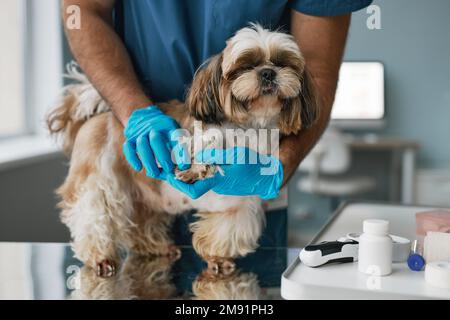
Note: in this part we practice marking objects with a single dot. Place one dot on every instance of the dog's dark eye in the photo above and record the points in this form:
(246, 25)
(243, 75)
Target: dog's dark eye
(233, 74)
(276, 61)
(250, 59)
(250, 66)
(285, 59)
(250, 63)
(282, 63)
(243, 67)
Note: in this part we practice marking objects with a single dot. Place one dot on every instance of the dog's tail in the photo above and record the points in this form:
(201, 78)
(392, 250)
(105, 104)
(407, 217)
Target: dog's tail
(78, 102)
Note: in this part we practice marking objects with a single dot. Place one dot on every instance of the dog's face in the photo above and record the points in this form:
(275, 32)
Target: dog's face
(259, 78)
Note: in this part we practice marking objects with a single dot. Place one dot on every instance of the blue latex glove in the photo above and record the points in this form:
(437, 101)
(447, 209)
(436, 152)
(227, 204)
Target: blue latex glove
(150, 136)
(262, 176)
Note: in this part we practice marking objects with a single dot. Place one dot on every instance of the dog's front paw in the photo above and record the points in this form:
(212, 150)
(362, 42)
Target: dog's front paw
(187, 176)
(195, 172)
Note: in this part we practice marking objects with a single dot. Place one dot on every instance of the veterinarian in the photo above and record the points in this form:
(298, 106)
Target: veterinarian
(142, 51)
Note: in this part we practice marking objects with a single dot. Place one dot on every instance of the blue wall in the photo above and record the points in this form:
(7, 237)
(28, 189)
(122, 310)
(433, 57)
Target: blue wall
(414, 45)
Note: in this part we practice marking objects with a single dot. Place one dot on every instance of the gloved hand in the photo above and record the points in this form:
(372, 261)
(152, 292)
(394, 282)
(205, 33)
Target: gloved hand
(148, 138)
(246, 172)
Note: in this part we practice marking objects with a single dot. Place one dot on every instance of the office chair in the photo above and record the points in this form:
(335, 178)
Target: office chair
(326, 166)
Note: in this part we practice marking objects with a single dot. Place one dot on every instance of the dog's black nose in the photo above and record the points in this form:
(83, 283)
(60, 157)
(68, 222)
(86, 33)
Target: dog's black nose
(268, 74)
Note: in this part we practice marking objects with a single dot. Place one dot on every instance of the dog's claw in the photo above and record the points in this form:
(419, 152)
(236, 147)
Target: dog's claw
(213, 267)
(221, 266)
(106, 269)
(228, 267)
(174, 253)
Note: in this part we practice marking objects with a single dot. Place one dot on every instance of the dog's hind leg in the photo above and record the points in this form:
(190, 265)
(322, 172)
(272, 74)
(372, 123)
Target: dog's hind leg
(151, 234)
(99, 221)
(97, 197)
(92, 230)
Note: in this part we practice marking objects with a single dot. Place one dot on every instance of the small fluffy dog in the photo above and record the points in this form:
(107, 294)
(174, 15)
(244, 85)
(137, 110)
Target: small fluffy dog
(258, 81)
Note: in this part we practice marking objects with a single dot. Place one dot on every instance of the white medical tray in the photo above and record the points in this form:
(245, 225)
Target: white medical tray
(344, 281)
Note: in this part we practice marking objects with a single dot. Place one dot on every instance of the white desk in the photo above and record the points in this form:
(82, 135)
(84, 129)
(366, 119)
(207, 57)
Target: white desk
(407, 150)
(344, 281)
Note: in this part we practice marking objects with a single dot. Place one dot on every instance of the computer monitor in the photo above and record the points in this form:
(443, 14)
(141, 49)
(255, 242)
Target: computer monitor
(359, 101)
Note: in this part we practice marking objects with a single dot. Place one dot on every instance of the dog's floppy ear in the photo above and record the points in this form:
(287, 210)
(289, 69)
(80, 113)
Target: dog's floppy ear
(302, 111)
(203, 98)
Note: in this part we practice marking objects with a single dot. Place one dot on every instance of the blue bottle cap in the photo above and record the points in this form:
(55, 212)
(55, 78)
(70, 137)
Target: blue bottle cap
(416, 262)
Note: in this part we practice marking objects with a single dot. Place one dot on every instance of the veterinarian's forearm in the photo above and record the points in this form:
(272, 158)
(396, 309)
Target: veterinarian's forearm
(103, 57)
(322, 42)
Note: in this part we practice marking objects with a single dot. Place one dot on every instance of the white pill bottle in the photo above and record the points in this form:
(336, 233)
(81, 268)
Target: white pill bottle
(375, 248)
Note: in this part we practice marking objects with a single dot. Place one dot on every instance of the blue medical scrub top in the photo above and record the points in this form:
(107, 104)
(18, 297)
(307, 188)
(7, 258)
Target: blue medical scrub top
(168, 39)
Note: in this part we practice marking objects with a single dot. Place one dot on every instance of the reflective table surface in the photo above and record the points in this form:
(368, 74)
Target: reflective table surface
(49, 271)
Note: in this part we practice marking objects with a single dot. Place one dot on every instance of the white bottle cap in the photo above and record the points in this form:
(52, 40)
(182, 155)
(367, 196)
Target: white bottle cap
(376, 227)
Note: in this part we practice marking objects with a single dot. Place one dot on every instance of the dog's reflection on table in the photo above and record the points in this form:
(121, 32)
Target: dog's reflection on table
(237, 285)
(139, 277)
(184, 276)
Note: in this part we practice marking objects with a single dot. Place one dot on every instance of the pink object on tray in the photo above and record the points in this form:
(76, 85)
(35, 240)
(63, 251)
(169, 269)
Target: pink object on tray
(437, 220)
